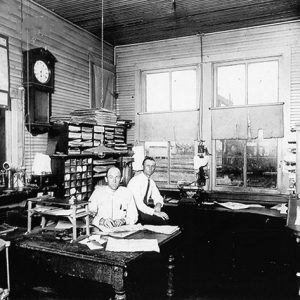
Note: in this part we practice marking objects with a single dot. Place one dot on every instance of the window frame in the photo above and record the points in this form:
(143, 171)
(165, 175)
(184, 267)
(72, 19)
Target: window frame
(245, 188)
(169, 145)
(245, 62)
(6, 47)
(144, 74)
(140, 96)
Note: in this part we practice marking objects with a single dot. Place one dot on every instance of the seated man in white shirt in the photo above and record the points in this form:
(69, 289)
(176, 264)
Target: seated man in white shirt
(112, 205)
(144, 189)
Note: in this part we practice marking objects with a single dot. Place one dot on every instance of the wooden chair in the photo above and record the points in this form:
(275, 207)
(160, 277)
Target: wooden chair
(4, 245)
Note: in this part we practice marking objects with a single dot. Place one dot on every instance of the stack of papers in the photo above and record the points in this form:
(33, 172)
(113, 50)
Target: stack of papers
(94, 242)
(132, 245)
(235, 205)
(165, 229)
(125, 230)
(121, 231)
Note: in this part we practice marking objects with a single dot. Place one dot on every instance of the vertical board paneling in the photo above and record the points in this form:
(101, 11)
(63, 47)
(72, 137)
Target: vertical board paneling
(73, 48)
(231, 45)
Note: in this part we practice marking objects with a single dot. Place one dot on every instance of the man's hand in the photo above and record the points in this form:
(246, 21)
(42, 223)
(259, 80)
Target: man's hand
(119, 222)
(109, 223)
(161, 214)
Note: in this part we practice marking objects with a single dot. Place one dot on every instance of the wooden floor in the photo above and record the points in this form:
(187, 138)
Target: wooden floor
(193, 282)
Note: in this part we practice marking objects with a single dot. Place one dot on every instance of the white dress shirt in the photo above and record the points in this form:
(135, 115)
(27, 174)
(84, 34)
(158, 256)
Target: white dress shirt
(107, 203)
(138, 186)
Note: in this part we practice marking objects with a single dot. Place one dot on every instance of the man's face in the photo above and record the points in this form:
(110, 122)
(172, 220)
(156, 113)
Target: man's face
(114, 178)
(149, 167)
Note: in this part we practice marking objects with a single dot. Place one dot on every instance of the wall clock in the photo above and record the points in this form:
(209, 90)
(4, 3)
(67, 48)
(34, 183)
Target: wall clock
(38, 81)
(41, 71)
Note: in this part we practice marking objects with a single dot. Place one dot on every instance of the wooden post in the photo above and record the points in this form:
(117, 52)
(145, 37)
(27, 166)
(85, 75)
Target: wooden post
(171, 267)
(298, 159)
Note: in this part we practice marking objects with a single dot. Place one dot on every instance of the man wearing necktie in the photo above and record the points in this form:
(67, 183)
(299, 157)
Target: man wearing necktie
(147, 196)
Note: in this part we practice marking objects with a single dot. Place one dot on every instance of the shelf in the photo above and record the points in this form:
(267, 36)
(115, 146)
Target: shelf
(53, 208)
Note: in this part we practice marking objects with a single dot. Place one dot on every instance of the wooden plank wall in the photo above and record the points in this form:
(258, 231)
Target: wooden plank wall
(222, 46)
(27, 26)
(263, 41)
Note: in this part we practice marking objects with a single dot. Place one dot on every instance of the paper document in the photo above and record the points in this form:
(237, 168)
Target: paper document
(124, 228)
(92, 244)
(132, 245)
(165, 229)
(61, 224)
(234, 205)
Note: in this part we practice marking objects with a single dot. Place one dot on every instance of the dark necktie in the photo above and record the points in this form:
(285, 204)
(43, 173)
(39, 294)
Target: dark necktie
(145, 197)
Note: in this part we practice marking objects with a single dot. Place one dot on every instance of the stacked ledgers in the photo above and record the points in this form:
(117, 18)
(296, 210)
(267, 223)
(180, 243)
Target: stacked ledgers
(102, 165)
(81, 137)
(94, 116)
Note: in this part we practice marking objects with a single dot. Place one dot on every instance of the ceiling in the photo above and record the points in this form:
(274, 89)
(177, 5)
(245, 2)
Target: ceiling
(134, 21)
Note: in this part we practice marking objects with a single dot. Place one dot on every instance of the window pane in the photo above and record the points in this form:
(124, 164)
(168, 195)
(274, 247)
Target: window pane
(262, 163)
(182, 162)
(157, 92)
(184, 90)
(263, 82)
(3, 69)
(159, 151)
(229, 162)
(230, 85)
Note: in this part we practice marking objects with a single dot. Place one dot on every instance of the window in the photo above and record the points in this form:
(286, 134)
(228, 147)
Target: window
(247, 83)
(170, 91)
(174, 162)
(4, 74)
(246, 152)
(251, 163)
(168, 121)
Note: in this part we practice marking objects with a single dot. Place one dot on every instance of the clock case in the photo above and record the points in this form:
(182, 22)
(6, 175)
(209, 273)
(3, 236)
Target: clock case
(37, 94)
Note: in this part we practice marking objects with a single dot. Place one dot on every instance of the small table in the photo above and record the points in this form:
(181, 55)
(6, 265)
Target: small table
(61, 208)
(77, 260)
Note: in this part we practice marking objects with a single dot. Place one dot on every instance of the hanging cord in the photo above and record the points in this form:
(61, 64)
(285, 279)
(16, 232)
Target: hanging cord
(102, 55)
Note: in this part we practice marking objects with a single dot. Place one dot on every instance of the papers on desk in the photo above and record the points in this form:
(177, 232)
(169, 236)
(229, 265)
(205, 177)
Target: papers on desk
(165, 229)
(235, 205)
(56, 211)
(94, 242)
(132, 245)
(126, 230)
(121, 231)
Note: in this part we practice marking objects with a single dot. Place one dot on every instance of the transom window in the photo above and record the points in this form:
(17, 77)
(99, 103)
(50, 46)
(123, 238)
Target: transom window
(170, 90)
(247, 83)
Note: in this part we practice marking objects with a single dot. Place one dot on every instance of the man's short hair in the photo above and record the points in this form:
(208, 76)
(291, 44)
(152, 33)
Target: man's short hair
(148, 158)
(113, 167)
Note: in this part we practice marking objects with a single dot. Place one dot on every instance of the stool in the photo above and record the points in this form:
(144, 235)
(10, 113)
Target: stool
(4, 245)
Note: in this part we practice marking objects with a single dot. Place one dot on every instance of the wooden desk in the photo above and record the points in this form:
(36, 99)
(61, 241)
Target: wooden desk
(74, 259)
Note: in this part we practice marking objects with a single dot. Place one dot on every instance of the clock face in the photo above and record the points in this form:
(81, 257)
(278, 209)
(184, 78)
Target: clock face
(41, 71)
